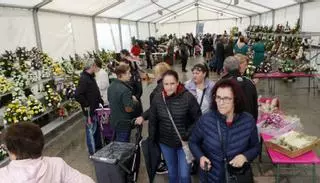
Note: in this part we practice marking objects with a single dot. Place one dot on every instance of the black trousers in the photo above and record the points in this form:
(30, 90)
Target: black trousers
(184, 63)
(149, 63)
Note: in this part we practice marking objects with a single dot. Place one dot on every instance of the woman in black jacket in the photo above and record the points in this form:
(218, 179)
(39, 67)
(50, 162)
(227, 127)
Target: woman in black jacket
(185, 111)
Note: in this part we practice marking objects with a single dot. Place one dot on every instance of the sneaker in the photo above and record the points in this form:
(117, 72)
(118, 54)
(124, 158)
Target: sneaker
(162, 168)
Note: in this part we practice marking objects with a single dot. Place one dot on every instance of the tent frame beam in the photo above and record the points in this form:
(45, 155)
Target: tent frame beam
(137, 9)
(213, 11)
(203, 20)
(167, 7)
(108, 7)
(239, 7)
(218, 11)
(35, 10)
(258, 4)
(170, 13)
(211, 6)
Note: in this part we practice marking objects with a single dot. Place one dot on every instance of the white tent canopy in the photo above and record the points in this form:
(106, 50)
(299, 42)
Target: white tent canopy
(62, 27)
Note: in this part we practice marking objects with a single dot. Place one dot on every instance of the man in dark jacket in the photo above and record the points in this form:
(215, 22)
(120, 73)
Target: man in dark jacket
(89, 97)
(231, 69)
(219, 56)
(184, 54)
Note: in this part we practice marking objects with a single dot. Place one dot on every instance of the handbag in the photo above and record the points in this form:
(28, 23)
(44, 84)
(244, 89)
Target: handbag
(185, 145)
(233, 174)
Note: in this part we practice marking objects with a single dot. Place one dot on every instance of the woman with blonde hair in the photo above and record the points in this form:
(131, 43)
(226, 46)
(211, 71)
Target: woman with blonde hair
(244, 61)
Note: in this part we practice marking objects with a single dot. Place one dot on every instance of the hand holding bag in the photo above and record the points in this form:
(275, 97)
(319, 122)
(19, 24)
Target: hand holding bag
(233, 174)
(185, 145)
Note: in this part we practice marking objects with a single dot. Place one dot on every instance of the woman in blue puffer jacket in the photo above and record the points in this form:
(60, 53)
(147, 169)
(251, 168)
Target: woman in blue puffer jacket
(238, 131)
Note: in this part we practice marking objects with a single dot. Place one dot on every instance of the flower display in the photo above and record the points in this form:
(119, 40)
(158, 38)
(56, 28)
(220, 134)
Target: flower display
(77, 62)
(45, 72)
(52, 98)
(22, 55)
(17, 112)
(57, 69)
(20, 79)
(250, 70)
(67, 67)
(286, 66)
(3, 152)
(5, 85)
(17, 93)
(69, 91)
(71, 107)
(35, 105)
(7, 63)
(265, 67)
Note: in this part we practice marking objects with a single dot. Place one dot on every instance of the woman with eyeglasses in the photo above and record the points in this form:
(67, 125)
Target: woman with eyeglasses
(225, 136)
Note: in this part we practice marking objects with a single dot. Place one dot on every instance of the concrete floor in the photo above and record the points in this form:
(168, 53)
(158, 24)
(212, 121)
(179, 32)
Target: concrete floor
(70, 145)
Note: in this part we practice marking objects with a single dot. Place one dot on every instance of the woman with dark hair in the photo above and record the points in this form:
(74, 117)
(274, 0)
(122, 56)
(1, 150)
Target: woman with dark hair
(258, 49)
(200, 86)
(225, 136)
(25, 143)
(123, 103)
(175, 101)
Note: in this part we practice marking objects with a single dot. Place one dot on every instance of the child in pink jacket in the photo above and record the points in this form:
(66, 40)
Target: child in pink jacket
(25, 143)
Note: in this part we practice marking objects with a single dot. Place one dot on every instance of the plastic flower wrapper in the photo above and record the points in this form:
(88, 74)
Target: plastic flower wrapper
(52, 98)
(67, 67)
(57, 69)
(5, 85)
(17, 112)
(268, 106)
(35, 105)
(3, 152)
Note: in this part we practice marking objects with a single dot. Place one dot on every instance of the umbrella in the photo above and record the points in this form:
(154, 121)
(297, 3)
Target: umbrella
(152, 156)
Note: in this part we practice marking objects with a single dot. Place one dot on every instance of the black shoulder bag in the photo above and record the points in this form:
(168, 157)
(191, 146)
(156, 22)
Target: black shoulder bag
(203, 93)
(233, 174)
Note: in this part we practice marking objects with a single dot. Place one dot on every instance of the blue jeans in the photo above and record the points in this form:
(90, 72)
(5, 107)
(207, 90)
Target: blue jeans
(178, 168)
(93, 136)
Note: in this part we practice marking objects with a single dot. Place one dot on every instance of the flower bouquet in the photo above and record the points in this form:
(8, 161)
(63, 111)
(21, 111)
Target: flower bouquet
(17, 112)
(52, 98)
(35, 105)
(250, 70)
(7, 63)
(57, 69)
(3, 152)
(5, 85)
(67, 67)
(22, 55)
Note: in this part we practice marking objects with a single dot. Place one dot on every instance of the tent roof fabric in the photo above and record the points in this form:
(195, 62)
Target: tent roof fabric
(157, 10)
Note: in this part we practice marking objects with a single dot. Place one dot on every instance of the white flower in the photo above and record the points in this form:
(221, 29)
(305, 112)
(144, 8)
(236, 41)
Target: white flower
(49, 104)
(25, 118)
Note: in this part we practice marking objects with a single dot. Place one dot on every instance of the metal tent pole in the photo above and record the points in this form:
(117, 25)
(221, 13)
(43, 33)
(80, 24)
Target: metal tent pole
(95, 33)
(120, 33)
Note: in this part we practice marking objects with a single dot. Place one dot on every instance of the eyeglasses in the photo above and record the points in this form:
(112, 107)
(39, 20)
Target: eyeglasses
(226, 100)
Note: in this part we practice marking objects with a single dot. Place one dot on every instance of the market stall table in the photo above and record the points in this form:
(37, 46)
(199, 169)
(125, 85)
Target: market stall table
(310, 158)
(279, 75)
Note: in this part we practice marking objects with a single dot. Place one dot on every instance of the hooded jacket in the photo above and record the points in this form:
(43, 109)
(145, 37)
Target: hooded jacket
(41, 170)
(185, 111)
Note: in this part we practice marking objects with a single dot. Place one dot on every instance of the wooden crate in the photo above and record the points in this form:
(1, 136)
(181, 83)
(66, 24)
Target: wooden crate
(292, 154)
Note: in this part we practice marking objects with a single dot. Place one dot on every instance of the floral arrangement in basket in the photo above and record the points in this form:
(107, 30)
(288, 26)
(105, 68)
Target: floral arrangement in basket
(52, 98)
(5, 85)
(17, 112)
(3, 152)
(35, 105)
